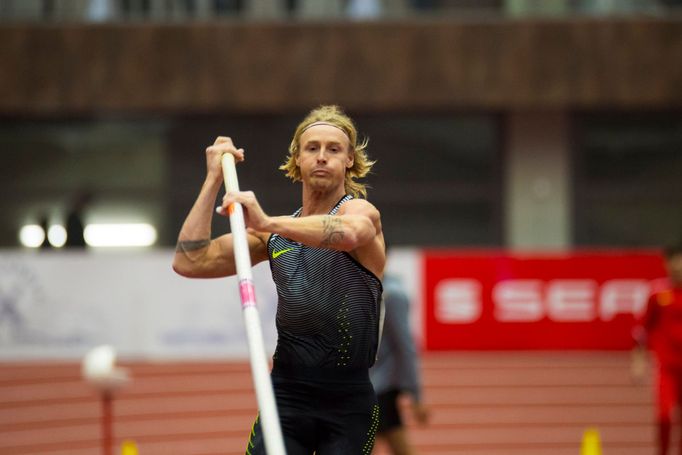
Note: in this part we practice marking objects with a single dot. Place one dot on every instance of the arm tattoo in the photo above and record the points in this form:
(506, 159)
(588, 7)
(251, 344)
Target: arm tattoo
(333, 231)
(185, 246)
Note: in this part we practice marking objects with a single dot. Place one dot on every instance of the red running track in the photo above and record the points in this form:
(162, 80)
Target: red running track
(481, 403)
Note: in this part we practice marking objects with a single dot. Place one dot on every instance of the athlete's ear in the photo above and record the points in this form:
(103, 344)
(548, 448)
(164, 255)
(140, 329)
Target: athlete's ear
(350, 159)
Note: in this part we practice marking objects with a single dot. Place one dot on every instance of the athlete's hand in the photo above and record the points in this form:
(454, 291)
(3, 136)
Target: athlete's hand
(214, 154)
(638, 365)
(254, 216)
(420, 412)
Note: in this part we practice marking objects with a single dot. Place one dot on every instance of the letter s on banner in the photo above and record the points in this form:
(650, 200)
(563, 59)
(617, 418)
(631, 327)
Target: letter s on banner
(518, 301)
(458, 301)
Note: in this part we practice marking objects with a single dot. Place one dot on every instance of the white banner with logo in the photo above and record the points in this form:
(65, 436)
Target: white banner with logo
(58, 305)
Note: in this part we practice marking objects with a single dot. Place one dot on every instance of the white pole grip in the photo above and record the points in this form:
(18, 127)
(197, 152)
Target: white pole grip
(269, 418)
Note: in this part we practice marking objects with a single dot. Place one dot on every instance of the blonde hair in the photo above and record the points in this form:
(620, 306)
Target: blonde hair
(333, 115)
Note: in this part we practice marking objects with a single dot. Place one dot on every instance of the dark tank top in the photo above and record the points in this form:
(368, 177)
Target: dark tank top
(327, 312)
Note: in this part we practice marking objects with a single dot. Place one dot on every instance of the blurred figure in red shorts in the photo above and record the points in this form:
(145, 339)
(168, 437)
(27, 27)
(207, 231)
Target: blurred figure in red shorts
(661, 331)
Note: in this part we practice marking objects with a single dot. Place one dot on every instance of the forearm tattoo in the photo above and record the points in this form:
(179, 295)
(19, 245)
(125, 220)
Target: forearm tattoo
(185, 246)
(333, 231)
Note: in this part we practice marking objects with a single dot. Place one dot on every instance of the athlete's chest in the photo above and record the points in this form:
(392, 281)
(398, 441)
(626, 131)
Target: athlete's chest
(670, 308)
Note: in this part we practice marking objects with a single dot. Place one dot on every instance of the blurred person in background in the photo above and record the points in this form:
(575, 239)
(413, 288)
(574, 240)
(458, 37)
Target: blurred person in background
(327, 261)
(395, 375)
(44, 223)
(661, 330)
(75, 226)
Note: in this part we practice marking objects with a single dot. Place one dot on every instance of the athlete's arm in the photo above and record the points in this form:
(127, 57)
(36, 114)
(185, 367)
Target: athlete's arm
(372, 253)
(356, 228)
(196, 254)
(640, 334)
(651, 317)
(353, 227)
(215, 258)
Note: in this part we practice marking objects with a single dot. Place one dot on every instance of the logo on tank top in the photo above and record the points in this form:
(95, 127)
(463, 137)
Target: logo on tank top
(276, 254)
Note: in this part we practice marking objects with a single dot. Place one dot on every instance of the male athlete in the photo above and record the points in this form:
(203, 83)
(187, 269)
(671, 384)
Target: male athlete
(661, 329)
(327, 260)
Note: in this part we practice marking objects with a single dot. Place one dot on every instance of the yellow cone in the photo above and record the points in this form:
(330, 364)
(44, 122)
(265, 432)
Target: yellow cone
(128, 448)
(591, 442)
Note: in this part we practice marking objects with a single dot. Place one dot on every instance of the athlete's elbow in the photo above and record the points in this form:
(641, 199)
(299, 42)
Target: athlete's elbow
(364, 233)
(179, 268)
(350, 241)
(183, 267)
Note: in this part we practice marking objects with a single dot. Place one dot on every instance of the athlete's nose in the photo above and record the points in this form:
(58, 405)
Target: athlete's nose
(321, 156)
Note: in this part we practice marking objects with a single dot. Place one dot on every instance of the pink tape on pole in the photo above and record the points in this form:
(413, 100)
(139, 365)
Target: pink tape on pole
(248, 293)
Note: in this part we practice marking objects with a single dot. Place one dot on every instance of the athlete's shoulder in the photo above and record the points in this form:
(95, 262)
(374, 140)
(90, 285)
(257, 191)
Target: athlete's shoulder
(357, 206)
(661, 292)
(665, 298)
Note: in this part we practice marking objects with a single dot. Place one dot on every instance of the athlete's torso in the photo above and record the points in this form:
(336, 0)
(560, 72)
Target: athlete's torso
(665, 312)
(328, 308)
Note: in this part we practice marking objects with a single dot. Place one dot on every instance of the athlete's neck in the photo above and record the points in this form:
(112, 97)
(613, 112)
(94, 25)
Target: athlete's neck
(320, 202)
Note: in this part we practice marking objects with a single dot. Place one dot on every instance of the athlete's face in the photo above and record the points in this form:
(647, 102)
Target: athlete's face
(324, 156)
(674, 264)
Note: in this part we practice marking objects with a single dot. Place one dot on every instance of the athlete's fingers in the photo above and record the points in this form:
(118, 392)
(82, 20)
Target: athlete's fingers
(243, 197)
(223, 140)
(232, 197)
(221, 149)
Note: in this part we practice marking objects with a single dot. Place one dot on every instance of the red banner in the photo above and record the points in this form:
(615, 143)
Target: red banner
(499, 301)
